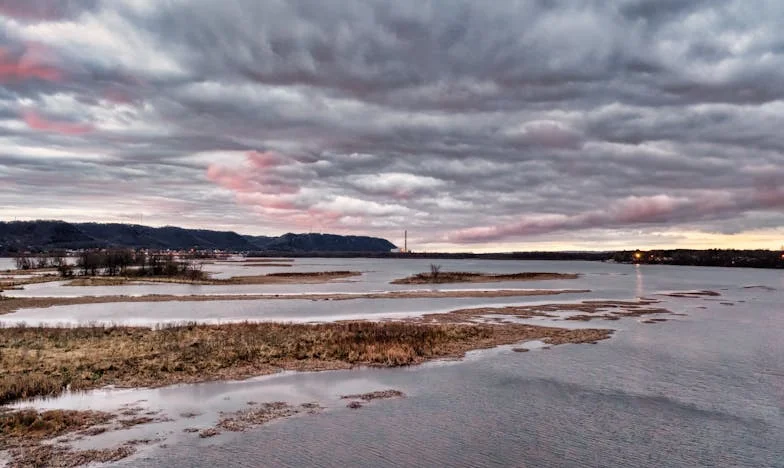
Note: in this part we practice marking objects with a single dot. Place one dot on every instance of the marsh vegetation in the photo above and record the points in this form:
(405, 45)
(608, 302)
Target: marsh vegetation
(437, 276)
(45, 361)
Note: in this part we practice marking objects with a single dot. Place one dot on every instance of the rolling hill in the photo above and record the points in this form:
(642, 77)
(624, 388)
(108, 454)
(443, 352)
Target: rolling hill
(51, 235)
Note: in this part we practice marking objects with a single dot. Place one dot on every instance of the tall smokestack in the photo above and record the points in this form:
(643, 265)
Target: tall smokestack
(405, 241)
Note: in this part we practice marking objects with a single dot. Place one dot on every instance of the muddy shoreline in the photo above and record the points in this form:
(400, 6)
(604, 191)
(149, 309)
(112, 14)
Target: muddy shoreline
(43, 438)
(587, 310)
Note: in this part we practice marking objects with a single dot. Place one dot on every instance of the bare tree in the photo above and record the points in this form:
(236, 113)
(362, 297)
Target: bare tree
(193, 271)
(42, 261)
(90, 262)
(435, 270)
(64, 268)
(23, 262)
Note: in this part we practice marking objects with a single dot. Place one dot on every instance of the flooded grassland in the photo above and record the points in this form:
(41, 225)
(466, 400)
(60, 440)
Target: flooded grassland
(80, 384)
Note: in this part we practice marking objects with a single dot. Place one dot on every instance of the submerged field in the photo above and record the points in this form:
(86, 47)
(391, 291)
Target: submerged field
(679, 332)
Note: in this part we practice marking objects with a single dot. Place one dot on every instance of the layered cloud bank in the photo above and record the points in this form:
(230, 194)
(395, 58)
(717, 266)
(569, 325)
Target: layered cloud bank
(658, 209)
(477, 125)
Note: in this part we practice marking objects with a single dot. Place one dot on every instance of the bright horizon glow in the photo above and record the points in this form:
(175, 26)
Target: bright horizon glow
(768, 239)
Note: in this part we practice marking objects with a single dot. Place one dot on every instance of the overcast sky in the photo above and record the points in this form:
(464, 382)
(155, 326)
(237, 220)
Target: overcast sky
(482, 125)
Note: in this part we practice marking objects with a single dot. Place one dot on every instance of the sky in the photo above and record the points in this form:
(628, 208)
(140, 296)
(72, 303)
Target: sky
(475, 125)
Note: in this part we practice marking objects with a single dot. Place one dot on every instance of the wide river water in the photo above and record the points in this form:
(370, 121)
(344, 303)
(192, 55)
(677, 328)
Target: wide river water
(703, 389)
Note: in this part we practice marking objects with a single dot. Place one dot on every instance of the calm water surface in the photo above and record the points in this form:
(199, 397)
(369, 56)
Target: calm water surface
(703, 389)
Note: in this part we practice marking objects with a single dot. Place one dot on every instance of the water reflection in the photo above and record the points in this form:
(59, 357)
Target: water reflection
(640, 285)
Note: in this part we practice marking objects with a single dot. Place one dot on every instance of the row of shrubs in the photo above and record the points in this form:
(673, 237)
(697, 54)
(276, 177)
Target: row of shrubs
(114, 262)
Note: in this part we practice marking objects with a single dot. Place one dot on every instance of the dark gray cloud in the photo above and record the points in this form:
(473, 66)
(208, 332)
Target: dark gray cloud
(489, 124)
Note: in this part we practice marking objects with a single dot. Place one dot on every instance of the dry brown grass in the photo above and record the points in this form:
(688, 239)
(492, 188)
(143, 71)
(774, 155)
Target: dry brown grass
(261, 414)
(39, 438)
(23, 434)
(471, 277)
(258, 415)
(290, 278)
(28, 427)
(18, 283)
(43, 361)
(28, 271)
(590, 310)
(64, 456)
(378, 395)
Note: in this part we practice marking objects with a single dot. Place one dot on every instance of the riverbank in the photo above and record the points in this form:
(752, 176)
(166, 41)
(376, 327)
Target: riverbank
(9, 284)
(14, 304)
(270, 278)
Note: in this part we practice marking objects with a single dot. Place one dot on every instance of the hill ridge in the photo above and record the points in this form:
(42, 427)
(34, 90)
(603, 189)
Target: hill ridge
(56, 234)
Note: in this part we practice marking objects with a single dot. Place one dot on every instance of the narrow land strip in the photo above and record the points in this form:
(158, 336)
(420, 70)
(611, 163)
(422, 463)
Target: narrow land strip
(443, 277)
(271, 278)
(588, 310)
(14, 304)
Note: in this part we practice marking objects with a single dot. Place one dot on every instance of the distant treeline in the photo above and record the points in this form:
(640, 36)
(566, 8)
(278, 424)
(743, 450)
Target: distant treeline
(712, 257)
(591, 256)
(128, 261)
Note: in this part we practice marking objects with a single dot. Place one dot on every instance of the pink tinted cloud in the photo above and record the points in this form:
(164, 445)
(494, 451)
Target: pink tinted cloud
(31, 64)
(40, 123)
(264, 160)
(265, 201)
(769, 192)
(255, 182)
(258, 183)
(228, 178)
(315, 217)
(645, 209)
(631, 211)
(256, 175)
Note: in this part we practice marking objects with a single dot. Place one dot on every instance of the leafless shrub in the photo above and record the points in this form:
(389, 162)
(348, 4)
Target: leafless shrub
(435, 270)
